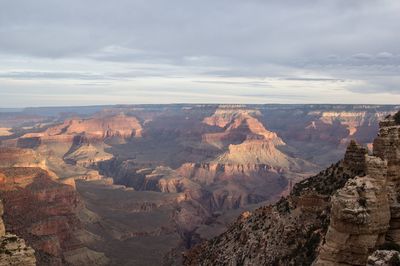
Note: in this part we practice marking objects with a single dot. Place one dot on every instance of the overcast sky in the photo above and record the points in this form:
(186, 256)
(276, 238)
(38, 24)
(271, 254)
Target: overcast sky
(81, 52)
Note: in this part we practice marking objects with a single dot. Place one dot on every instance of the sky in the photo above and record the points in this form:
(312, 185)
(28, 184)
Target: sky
(89, 52)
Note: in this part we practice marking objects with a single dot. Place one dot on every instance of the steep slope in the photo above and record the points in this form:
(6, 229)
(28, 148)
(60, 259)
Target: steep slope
(13, 250)
(339, 217)
(285, 233)
(44, 212)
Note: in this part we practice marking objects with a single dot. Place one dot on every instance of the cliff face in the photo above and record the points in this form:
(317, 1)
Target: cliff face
(41, 210)
(13, 250)
(238, 126)
(44, 212)
(339, 217)
(13, 157)
(96, 128)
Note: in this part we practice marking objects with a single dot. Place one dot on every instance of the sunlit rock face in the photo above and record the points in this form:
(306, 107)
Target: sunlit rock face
(93, 128)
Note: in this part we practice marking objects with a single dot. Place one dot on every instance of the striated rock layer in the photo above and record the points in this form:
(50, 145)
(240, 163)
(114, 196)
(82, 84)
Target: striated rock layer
(95, 128)
(44, 212)
(13, 250)
(339, 217)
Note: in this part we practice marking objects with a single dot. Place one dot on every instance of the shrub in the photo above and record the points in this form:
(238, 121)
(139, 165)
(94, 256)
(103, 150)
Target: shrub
(397, 117)
(389, 246)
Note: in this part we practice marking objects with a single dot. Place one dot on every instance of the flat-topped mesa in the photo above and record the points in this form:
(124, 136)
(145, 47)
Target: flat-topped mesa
(95, 128)
(224, 116)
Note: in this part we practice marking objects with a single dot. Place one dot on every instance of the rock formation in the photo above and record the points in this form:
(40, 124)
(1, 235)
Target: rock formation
(85, 152)
(94, 128)
(239, 125)
(384, 257)
(184, 172)
(44, 212)
(339, 217)
(13, 250)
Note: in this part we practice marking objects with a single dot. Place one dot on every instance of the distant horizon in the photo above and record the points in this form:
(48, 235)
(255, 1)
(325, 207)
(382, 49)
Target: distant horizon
(195, 104)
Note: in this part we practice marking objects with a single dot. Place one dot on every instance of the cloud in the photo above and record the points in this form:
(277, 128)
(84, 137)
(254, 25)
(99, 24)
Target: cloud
(362, 56)
(205, 44)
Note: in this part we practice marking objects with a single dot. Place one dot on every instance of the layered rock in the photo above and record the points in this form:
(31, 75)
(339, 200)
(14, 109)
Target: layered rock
(85, 153)
(95, 128)
(236, 185)
(224, 115)
(339, 217)
(342, 126)
(360, 217)
(387, 146)
(13, 250)
(14, 157)
(43, 211)
(287, 233)
(239, 125)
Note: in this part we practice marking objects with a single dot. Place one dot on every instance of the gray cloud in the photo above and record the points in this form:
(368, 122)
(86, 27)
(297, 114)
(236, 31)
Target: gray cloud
(304, 41)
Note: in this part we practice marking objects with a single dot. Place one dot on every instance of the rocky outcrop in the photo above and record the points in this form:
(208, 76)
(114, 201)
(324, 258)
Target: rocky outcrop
(13, 250)
(43, 211)
(339, 217)
(387, 146)
(360, 217)
(287, 233)
(384, 258)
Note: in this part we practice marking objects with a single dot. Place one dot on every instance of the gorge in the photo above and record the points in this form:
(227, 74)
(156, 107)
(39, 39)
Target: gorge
(140, 185)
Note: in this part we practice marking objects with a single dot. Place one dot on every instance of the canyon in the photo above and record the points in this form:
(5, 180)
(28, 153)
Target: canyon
(141, 184)
(345, 215)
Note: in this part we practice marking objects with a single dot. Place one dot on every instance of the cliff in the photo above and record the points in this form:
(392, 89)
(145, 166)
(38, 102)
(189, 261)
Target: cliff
(13, 250)
(342, 216)
(95, 128)
(45, 213)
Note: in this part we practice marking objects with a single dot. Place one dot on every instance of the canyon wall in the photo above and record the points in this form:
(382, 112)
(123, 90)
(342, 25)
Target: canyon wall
(339, 217)
(13, 249)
